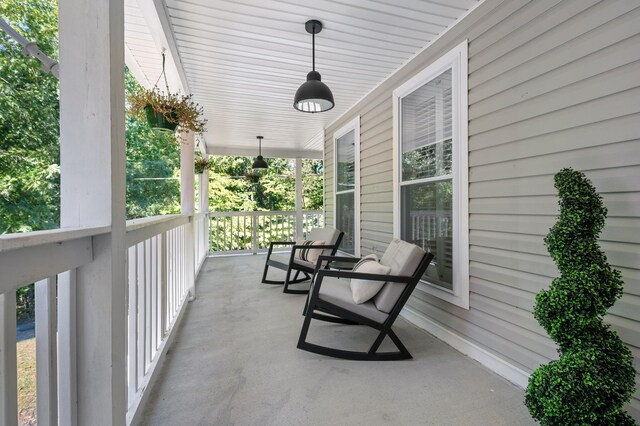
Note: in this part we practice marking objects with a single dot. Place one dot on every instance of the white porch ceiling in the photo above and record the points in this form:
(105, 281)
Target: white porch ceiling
(243, 60)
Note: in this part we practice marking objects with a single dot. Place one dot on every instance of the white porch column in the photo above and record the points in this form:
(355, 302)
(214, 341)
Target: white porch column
(203, 188)
(187, 201)
(92, 160)
(299, 218)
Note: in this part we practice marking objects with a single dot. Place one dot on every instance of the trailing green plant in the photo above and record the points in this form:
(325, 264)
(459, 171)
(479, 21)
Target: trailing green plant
(176, 108)
(594, 376)
(201, 164)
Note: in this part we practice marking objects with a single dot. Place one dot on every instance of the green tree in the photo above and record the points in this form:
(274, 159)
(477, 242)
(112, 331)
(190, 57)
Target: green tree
(153, 164)
(29, 117)
(233, 186)
(594, 376)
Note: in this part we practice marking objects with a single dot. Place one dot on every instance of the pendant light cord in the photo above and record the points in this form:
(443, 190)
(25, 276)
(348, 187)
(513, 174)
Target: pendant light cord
(313, 47)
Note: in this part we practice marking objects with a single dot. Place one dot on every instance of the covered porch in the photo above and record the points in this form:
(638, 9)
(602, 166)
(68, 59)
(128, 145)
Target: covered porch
(137, 324)
(234, 361)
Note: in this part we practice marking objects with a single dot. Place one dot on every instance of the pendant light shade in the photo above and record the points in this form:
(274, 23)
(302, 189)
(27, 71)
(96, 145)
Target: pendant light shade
(313, 96)
(260, 163)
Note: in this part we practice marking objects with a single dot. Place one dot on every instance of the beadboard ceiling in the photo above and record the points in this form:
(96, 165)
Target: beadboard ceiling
(243, 60)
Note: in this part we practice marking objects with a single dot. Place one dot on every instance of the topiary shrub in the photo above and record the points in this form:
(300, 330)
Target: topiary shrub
(594, 376)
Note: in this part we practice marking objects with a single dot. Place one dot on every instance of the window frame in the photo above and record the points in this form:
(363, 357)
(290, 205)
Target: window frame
(353, 125)
(456, 60)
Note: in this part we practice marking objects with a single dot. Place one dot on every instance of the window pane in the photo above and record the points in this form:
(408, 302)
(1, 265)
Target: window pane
(427, 129)
(345, 220)
(345, 156)
(427, 222)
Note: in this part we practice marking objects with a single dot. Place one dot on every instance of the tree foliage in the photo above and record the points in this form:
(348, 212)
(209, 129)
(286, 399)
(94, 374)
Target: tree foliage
(594, 376)
(153, 165)
(234, 187)
(29, 130)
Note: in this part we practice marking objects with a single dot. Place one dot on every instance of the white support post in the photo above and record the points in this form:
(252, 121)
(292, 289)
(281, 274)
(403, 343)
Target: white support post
(203, 201)
(299, 217)
(92, 162)
(254, 233)
(187, 204)
(8, 361)
(46, 352)
(203, 190)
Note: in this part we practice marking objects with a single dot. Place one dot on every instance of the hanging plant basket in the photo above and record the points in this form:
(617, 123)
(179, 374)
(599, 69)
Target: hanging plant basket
(166, 110)
(202, 164)
(159, 121)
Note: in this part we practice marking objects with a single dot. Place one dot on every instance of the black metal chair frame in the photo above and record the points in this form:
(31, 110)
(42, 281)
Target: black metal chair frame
(318, 309)
(292, 266)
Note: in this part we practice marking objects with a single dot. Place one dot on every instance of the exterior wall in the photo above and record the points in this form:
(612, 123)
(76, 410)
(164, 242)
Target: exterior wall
(551, 84)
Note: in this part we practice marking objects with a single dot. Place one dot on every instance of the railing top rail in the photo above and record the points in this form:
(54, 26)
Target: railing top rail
(141, 229)
(144, 222)
(263, 213)
(38, 238)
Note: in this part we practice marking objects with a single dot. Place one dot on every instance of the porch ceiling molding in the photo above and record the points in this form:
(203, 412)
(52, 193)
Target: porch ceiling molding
(244, 59)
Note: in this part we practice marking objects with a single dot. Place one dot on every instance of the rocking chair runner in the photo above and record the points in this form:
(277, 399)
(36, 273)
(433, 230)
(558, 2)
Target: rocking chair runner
(289, 262)
(331, 294)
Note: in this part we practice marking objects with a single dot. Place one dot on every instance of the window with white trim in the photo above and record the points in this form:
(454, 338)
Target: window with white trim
(347, 185)
(431, 172)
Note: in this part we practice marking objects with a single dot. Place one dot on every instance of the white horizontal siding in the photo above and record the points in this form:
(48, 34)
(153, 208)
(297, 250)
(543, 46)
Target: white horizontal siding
(552, 84)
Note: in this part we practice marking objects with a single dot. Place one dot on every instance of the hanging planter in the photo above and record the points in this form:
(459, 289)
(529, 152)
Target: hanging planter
(165, 110)
(202, 164)
(158, 121)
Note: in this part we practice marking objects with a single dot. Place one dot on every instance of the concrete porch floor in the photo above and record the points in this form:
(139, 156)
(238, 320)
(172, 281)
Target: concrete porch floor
(234, 362)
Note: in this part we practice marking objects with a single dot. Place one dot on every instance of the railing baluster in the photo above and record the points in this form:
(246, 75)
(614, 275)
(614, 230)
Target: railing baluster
(225, 234)
(132, 348)
(46, 352)
(154, 294)
(244, 232)
(164, 278)
(67, 372)
(141, 311)
(147, 304)
(8, 361)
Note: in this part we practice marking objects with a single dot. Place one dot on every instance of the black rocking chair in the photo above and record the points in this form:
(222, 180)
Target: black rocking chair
(290, 263)
(330, 300)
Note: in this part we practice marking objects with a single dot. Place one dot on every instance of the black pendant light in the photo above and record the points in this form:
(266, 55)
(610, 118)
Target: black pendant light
(313, 96)
(260, 163)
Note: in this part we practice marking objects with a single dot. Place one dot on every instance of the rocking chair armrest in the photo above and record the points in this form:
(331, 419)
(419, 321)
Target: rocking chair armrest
(339, 258)
(278, 243)
(364, 276)
(281, 243)
(312, 247)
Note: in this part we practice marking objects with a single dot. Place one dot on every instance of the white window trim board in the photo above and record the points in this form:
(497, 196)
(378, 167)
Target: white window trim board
(456, 59)
(355, 126)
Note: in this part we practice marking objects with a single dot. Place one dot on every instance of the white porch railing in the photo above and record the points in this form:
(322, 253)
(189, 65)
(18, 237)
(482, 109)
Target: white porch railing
(161, 265)
(251, 232)
(158, 287)
(50, 259)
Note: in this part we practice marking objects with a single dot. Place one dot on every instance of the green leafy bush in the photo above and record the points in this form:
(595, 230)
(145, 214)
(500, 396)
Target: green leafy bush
(594, 376)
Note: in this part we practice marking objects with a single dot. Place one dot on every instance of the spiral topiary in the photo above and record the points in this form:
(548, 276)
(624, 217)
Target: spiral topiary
(594, 376)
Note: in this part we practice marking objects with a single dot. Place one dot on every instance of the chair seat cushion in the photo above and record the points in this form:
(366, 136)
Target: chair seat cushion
(283, 258)
(337, 291)
(361, 289)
